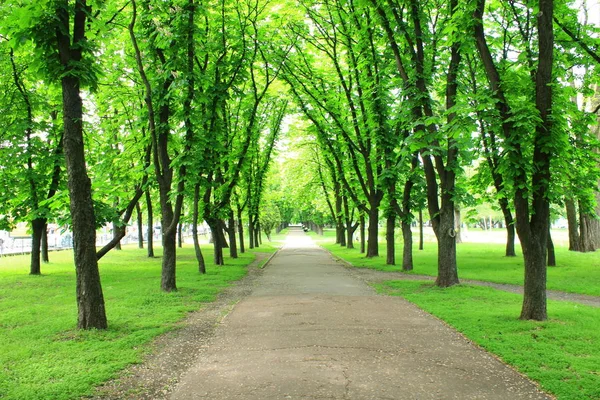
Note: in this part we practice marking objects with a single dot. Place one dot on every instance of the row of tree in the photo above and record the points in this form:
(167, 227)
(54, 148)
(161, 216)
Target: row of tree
(184, 100)
(405, 94)
(176, 100)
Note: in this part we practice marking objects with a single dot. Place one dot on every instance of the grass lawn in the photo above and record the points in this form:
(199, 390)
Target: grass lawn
(43, 355)
(561, 354)
(575, 272)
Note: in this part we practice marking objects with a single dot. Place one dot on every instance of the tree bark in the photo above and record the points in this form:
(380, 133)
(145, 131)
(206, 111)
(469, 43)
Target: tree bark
(362, 234)
(140, 226)
(421, 236)
(510, 228)
(90, 299)
(240, 230)
(37, 227)
(407, 254)
(179, 235)
(150, 224)
(45, 255)
(389, 238)
(195, 220)
(574, 240)
(373, 232)
(116, 229)
(233, 253)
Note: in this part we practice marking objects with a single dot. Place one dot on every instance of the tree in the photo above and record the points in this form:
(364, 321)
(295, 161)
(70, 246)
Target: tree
(531, 184)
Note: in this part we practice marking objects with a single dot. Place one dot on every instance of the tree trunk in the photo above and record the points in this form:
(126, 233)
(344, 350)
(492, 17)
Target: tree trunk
(510, 228)
(140, 226)
(589, 227)
(373, 231)
(389, 238)
(457, 223)
(195, 220)
(350, 229)
(551, 254)
(362, 234)
(179, 235)
(447, 269)
(407, 255)
(90, 299)
(150, 224)
(37, 227)
(533, 235)
(251, 230)
(231, 232)
(168, 281)
(421, 229)
(534, 296)
(115, 230)
(240, 230)
(222, 230)
(45, 255)
(574, 239)
(215, 227)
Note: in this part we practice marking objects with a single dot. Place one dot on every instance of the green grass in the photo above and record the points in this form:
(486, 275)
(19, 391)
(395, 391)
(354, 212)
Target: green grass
(562, 354)
(575, 272)
(43, 356)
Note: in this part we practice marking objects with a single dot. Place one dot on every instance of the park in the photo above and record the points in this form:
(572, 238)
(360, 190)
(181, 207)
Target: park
(265, 199)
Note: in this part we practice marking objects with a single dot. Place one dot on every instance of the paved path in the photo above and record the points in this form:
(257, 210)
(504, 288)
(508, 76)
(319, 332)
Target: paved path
(310, 330)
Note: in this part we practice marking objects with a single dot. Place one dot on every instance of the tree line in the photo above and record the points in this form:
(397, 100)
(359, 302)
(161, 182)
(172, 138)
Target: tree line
(108, 107)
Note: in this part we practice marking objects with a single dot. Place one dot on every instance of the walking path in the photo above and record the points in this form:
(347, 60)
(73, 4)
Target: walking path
(311, 330)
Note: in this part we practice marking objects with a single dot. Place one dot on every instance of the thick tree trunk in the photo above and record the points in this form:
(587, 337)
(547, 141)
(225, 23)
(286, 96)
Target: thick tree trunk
(362, 234)
(350, 229)
(45, 255)
(589, 228)
(168, 282)
(373, 231)
(407, 254)
(140, 226)
(534, 296)
(533, 236)
(90, 299)
(447, 269)
(150, 225)
(389, 238)
(37, 227)
(574, 239)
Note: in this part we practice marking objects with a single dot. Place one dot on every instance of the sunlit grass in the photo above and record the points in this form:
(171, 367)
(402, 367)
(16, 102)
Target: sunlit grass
(44, 356)
(575, 272)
